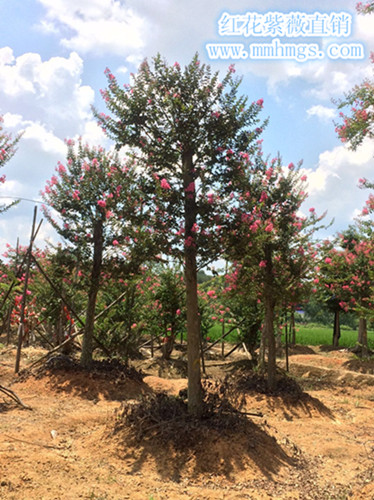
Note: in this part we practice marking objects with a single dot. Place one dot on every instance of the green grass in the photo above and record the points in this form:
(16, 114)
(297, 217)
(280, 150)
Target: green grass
(322, 335)
(216, 332)
(305, 335)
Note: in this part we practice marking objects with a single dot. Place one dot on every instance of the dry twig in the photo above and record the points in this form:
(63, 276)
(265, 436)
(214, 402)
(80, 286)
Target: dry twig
(11, 394)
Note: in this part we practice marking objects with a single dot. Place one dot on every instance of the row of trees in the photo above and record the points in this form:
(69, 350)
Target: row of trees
(193, 187)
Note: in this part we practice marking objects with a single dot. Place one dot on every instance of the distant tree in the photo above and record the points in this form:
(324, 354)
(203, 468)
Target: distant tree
(189, 132)
(7, 151)
(358, 120)
(346, 279)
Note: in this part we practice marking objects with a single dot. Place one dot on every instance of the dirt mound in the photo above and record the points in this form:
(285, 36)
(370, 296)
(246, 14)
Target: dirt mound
(165, 368)
(104, 379)
(360, 365)
(223, 442)
(306, 446)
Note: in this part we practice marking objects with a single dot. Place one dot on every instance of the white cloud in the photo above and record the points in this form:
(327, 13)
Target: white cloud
(21, 228)
(95, 26)
(333, 185)
(11, 189)
(48, 91)
(364, 29)
(12, 120)
(94, 135)
(322, 112)
(6, 56)
(46, 140)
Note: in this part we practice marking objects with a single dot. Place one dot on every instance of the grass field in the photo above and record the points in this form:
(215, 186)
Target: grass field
(305, 335)
(322, 335)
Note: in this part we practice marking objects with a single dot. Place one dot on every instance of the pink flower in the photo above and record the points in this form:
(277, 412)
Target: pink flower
(178, 312)
(210, 293)
(188, 242)
(260, 103)
(102, 203)
(210, 198)
(328, 260)
(303, 178)
(269, 227)
(165, 184)
(61, 169)
(190, 188)
(115, 242)
(312, 210)
(291, 166)
(262, 263)
(263, 196)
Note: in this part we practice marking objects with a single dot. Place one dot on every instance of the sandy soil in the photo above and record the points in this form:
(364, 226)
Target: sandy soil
(318, 447)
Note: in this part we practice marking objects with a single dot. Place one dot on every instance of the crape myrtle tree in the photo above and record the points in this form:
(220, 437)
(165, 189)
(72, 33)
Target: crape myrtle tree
(188, 131)
(346, 280)
(7, 151)
(270, 240)
(331, 272)
(358, 247)
(94, 203)
(365, 7)
(14, 282)
(357, 108)
(357, 115)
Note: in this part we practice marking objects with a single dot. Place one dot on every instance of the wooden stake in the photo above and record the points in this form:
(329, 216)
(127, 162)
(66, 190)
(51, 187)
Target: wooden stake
(24, 295)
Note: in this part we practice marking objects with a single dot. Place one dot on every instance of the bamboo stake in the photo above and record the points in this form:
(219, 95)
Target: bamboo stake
(24, 295)
(19, 270)
(76, 334)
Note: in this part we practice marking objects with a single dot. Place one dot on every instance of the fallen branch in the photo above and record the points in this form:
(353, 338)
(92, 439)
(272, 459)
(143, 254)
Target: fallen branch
(34, 443)
(11, 394)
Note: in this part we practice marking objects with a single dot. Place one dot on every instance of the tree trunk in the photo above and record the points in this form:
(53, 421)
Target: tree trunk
(195, 395)
(263, 345)
(59, 334)
(87, 345)
(363, 337)
(168, 346)
(336, 334)
(293, 328)
(269, 303)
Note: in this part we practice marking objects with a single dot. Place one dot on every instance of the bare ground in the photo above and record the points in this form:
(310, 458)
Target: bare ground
(316, 446)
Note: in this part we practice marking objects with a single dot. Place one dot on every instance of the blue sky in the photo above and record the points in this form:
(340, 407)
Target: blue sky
(53, 54)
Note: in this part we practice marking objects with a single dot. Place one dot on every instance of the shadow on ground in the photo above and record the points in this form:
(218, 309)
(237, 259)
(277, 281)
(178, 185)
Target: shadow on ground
(208, 452)
(110, 380)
